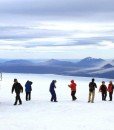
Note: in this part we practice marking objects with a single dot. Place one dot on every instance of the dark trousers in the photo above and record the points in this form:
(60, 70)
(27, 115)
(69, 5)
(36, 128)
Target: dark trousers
(53, 96)
(110, 96)
(28, 96)
(18, 99)
(73, 95)
(104, 95)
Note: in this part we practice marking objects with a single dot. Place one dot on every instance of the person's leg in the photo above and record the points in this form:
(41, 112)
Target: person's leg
(110, 96)
(52, 98)
(72, 95)
(102, 96)
(26, 96)
(105, 96)
(16, 99)
(20, 102)
(89, 98)
(55, 97)
(93, 96)
(29, 95)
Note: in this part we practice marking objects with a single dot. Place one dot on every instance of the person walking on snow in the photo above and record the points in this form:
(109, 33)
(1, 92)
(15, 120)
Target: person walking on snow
(73, 89)
(92, 86)
(110, 90)
(52, 91)
(18, 89)
(103, 90)
(28, 89)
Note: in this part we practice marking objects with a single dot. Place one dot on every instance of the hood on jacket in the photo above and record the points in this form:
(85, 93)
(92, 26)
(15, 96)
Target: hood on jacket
(72, 81)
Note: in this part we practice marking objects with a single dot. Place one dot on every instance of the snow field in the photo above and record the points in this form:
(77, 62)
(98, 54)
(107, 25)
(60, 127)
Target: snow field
(41, 114)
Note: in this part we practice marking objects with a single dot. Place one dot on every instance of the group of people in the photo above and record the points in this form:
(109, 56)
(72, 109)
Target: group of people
(92, 85)
(19, 89)
(103, 89)
(53, 93)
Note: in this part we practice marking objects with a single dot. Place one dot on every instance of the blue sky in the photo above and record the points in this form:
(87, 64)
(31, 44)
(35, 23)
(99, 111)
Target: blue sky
(56, 29)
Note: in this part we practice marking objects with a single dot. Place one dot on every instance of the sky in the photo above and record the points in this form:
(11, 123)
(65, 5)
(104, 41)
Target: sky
(59, 29)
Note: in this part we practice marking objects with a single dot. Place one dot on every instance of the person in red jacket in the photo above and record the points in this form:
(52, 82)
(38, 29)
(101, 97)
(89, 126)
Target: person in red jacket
(73, 89)
(110, 90)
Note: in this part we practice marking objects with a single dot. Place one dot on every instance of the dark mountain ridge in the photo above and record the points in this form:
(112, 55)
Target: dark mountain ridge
(87, 67)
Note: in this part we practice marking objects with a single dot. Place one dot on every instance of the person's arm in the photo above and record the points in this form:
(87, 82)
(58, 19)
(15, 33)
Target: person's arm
(30, 88)
(21, 88)
(69, 86)
(13, 87)
(89, 85)
(113, 86)
(31, 84)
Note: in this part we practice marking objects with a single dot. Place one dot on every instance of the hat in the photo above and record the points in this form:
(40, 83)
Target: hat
(72, 81)
(15, 80)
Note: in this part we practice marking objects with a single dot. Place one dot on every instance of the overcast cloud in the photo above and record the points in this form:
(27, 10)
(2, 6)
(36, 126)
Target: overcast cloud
(57, 27)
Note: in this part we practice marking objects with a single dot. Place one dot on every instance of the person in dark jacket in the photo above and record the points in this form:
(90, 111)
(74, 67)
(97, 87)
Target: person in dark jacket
(73, 89)
(110, 90)
(28, 89)
(18, 89)
(52, 91)
(92, 86)
(103, 90)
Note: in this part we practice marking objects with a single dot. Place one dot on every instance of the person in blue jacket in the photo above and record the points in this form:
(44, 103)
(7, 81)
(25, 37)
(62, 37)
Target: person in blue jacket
(28, 89)
(52, 91)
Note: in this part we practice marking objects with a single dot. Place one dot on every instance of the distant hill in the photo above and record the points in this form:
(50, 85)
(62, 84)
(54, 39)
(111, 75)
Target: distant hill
(17, 63)
(54, 62)
(90, 62)
(104, 73)
(107, 66)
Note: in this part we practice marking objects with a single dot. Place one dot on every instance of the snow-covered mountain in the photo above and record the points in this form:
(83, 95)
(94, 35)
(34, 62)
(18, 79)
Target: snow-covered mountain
(90, 62)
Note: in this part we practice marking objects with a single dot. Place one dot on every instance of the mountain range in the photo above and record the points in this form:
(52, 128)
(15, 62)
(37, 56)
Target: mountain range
(87, 67)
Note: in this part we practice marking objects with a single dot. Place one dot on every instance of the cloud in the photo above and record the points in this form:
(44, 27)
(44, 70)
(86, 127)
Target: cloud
(53, 34)
(34, 6)
(23, 32)
(71, 9)
(106, 45)
(62, 26)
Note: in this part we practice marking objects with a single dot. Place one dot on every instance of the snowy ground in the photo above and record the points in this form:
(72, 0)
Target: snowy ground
(41, 114)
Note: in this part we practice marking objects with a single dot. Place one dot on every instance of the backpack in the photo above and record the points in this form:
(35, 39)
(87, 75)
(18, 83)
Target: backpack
(91, 87)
